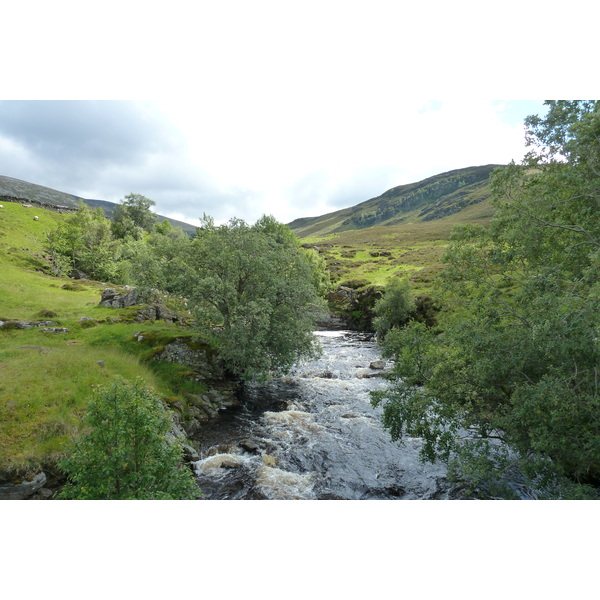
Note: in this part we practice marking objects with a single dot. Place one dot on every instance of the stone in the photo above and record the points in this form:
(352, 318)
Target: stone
(146, 314)
(179, 352)
(77, 274)
(249, 446)
(269, 461)
(378, 365)
(22, 490)
(190, 454)
(164, 313)
(112, 298)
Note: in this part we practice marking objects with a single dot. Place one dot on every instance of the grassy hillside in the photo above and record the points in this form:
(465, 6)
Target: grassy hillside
(45, 376)
(12, 189)
(433, 198)
(411, 248)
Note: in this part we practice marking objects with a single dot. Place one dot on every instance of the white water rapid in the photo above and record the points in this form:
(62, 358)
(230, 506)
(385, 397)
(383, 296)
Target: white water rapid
(315, 435)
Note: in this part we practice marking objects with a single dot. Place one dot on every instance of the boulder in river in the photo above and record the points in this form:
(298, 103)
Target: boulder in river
(378, 365)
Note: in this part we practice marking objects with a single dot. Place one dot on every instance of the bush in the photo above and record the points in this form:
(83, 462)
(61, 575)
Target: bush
(395, 308)
(126, 452)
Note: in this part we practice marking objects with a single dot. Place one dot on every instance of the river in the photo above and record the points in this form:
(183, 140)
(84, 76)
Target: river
(314, 435)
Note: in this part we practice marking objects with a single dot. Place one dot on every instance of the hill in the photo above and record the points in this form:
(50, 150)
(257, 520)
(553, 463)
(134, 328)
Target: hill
(433, 198)
(16, 190)
(57, 341)
(402, 232)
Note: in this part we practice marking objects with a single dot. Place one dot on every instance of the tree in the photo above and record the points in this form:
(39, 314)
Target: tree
(84, 241)
(126, 452)
(132, 216)
(255, 292)
(395, 307)
(516, 363)
(161, 260)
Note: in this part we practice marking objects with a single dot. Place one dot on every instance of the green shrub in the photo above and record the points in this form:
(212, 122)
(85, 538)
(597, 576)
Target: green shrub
(126, 452)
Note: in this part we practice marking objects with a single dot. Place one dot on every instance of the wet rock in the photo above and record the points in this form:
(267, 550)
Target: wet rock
(190, 454)
(269, 461)
(378, 365)
(23, 489)
(249, 446)
(229, 462)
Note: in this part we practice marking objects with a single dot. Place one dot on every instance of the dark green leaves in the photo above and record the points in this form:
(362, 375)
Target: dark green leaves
(516, 363)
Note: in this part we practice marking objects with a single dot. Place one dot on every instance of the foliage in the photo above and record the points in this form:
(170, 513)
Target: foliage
(516, 367)
(395, 308)
(254, 291)
(84, 241)
(132, 216)
(126, 453)
(161, 260)
(88, 242)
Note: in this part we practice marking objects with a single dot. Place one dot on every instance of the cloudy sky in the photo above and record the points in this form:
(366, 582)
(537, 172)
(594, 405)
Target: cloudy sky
(248, 108)
(289, 161)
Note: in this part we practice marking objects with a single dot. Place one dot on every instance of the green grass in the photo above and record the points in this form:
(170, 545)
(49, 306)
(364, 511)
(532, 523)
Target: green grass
(415, 249)
(46, 378)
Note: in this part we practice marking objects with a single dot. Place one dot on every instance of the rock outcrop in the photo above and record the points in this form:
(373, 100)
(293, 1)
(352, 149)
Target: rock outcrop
(113, 298)
(23, 489)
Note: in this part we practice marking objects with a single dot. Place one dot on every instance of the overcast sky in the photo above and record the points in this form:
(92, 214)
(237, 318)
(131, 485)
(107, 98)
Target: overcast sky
(286, 108)
(289, 161)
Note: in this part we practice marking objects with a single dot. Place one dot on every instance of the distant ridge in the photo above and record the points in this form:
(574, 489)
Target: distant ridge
(16, 190)
(433, 198)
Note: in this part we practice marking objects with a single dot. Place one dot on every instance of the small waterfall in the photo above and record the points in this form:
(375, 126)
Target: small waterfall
(314, 435)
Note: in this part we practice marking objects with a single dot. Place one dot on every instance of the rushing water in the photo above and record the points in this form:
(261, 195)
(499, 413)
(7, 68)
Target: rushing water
(315, 435)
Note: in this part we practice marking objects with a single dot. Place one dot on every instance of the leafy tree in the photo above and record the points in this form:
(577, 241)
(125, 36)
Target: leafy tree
(126, 452)
(395, 307)
(255, 291)
(132, 216)
(84, 241)
(515, 366)
(161, 260)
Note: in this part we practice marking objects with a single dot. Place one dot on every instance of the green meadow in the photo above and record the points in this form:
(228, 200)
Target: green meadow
(412, 249)
(46, 377)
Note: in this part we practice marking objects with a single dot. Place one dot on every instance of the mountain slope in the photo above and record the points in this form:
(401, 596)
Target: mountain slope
(12, 189)
(433, 198)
